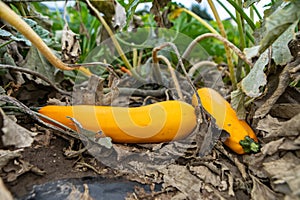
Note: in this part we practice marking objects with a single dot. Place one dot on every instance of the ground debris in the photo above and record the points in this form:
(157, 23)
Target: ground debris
(14, 134)
(285, 174)
(19, 168)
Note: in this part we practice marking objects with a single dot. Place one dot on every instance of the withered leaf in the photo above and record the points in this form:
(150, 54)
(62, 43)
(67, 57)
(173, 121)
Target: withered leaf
(261, 191)
(181, 178)
(7, 155)
(274, 128)
(5, 194)
(285, 174)
(14, 134)
(70, 45)
(272, 147)
(208, 176)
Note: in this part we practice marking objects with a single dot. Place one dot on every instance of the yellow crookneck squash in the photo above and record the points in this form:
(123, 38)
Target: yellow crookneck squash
(241, 138)
(159, 122)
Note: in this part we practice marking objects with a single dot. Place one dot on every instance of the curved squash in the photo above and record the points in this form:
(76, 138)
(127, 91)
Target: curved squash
(159, 122)
(242, 139)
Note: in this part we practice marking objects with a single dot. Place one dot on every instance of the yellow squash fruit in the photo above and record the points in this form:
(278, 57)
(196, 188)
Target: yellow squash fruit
(241, 138)
(158, 122)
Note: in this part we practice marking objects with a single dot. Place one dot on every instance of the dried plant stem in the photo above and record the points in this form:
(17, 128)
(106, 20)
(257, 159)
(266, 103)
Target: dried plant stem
(173, 75)
(248, 34)
(227, 50)
(219, 37)
(135, 57)
(196, 66)
(111, 34)
(155, 60)
(180, 62)
(140, 58)
(115, 42)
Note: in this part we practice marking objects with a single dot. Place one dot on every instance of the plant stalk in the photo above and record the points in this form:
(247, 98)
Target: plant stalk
(227, 49)
(115, 42)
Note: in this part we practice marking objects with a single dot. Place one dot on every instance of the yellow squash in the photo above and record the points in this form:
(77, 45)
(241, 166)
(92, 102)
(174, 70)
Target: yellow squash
(242, 138)
(159, 122)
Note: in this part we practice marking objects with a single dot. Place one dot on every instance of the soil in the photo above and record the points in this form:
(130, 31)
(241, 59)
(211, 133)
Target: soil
(51, 160)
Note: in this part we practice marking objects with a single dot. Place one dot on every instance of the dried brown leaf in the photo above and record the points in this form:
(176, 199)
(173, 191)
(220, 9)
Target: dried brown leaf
(209, 177)
(285, 174)
(14, 134)
(285, 110)
(261, 191)
(284, 80)
(5, 194)
(7, 155)
(289, 145)
(272, 147)
(274, 128)
(19, 168)
(181, 178)
(70, 45)
(254, 163)
(90, 92)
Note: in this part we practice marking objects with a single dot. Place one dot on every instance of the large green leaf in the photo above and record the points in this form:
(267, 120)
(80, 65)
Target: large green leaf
(278, 22)
(281, 53)
(256, 78)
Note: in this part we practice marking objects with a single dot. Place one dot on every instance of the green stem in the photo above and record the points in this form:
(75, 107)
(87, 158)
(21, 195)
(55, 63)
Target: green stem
(256, 11)
(6, 43)
(116, 43)
(243, 14)
(249, 145)
(251, 13)
(240, 27)
(199, 19)
(242, 45)
(227, 49)
(249, 36)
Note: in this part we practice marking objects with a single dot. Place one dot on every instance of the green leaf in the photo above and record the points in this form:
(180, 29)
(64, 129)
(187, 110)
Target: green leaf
(256, 78)
(278, 22)
(4, 33)
(251, 52)
(238, 104)
(281, 53)
(43, 33)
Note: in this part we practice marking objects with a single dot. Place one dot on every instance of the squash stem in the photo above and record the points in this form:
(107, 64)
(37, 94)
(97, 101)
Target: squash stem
(249, 145)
